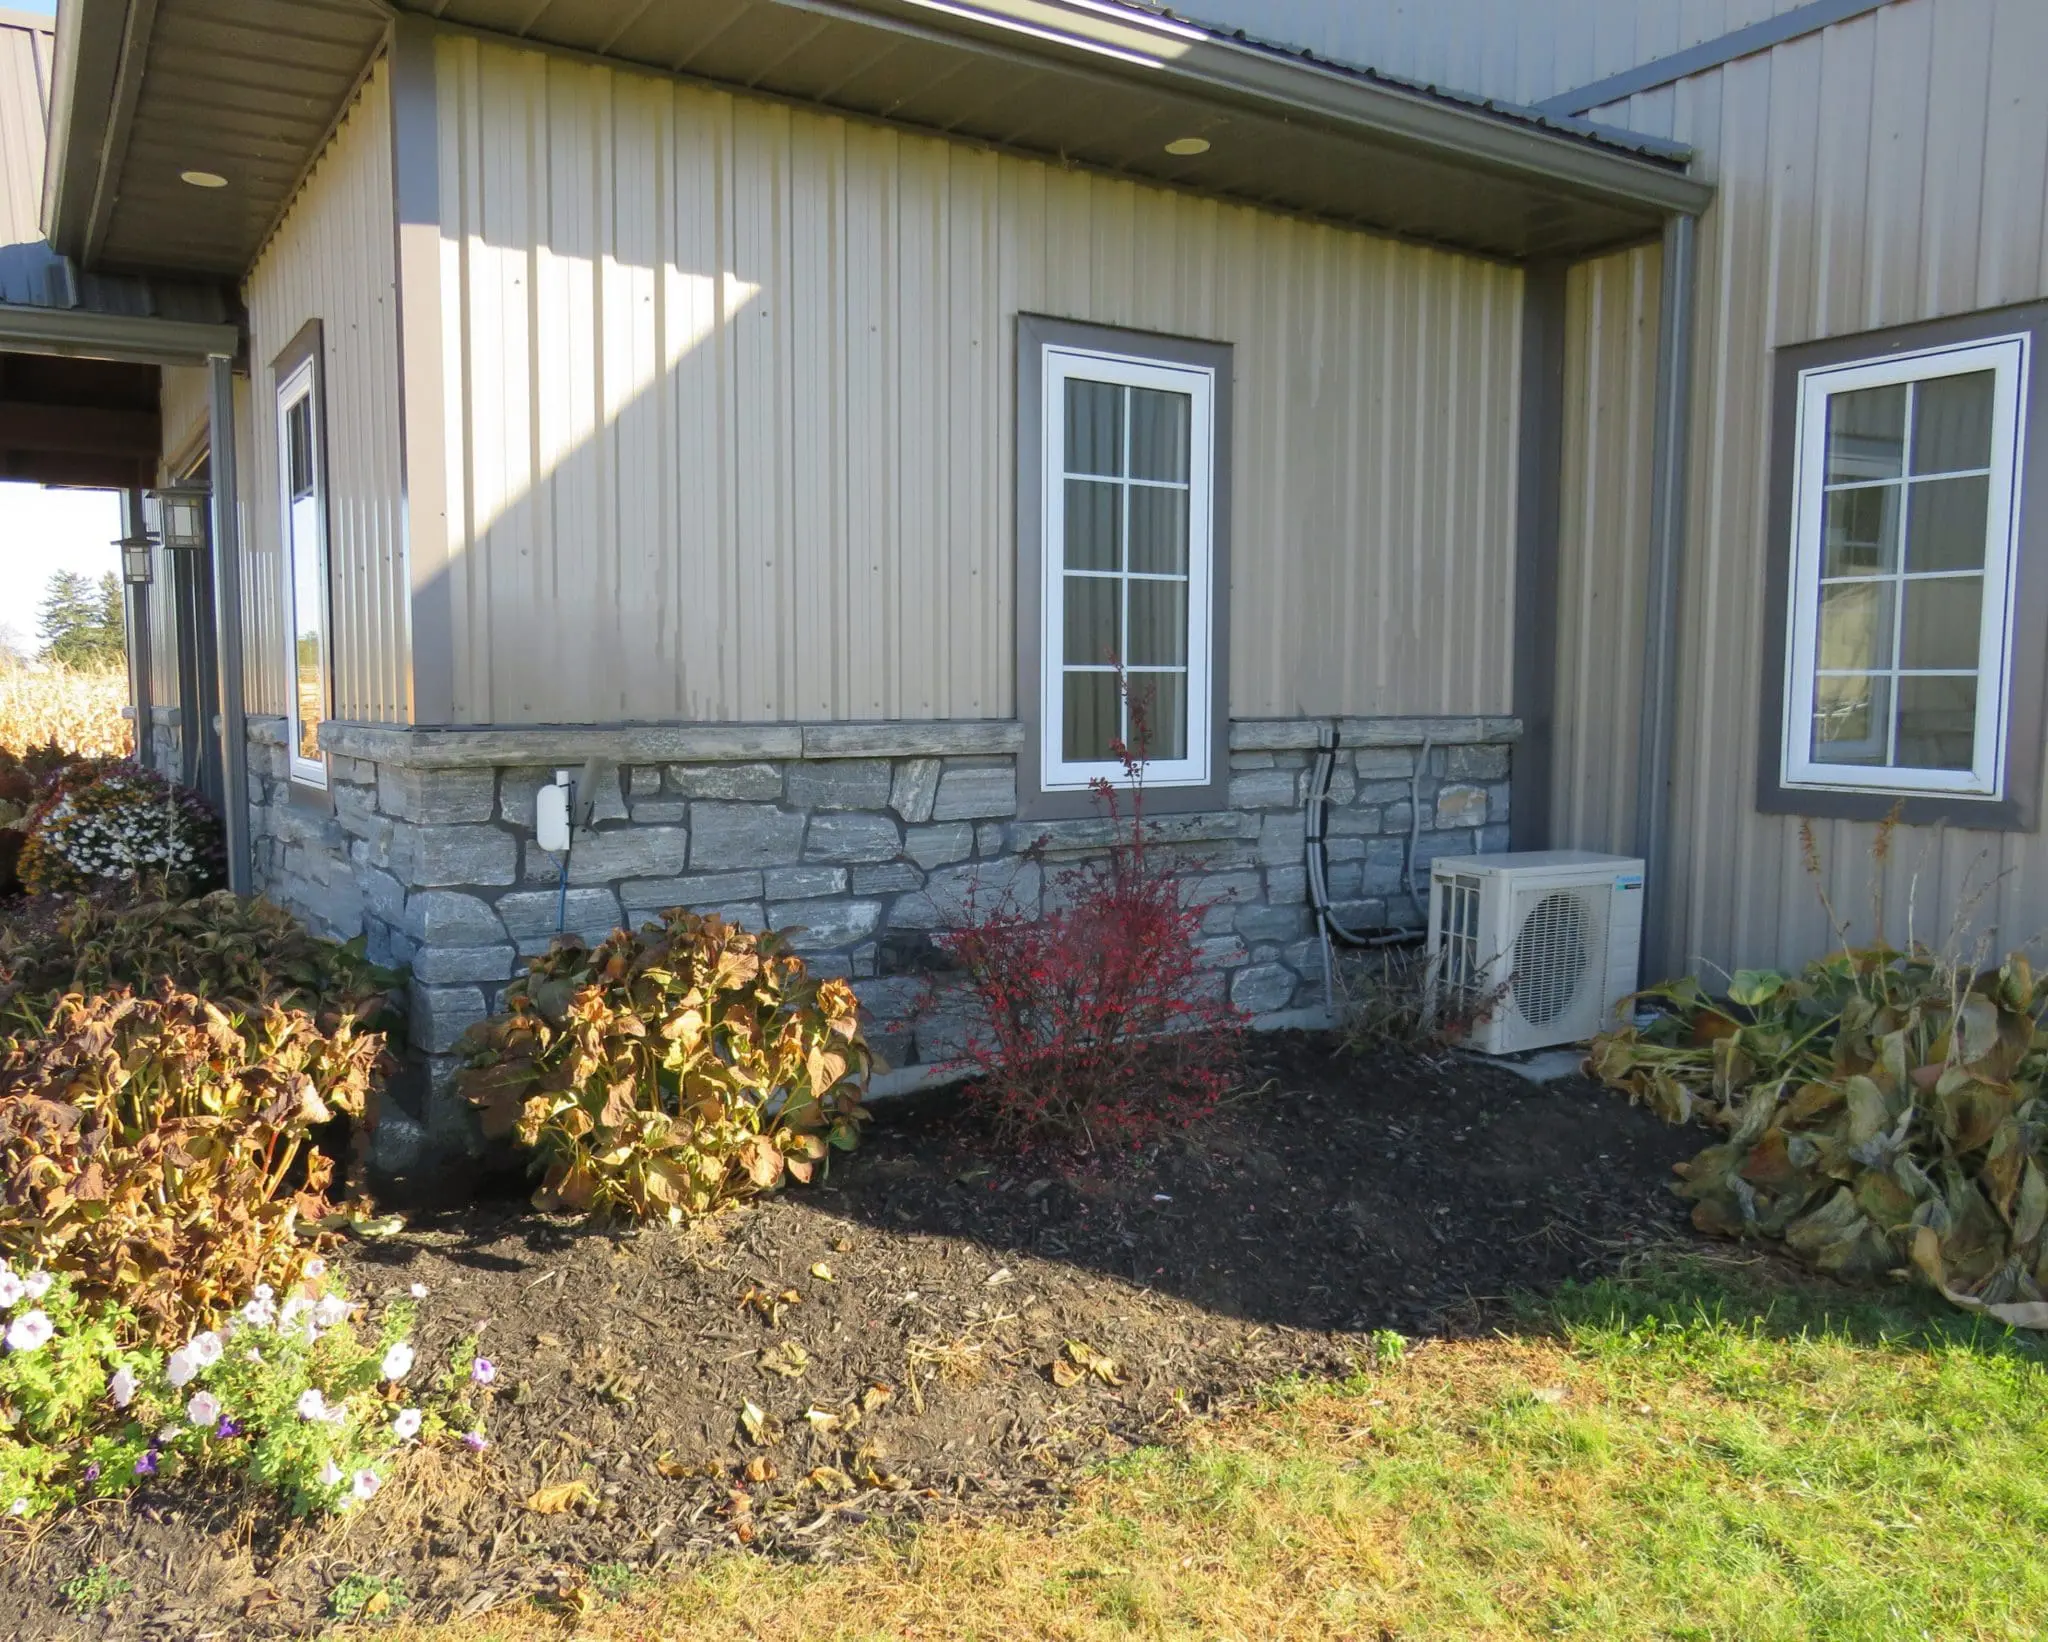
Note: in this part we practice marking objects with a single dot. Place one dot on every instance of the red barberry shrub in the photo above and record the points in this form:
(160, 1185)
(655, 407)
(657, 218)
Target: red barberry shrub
(1096, 1024)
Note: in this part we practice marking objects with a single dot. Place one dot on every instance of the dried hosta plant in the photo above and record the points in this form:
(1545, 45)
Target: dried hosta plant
(158, 1149)
(670, 1070)
(1885, 1110)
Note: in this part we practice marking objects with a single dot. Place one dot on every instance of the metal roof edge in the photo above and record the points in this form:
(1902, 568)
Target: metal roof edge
(81, 101)
(80, 333)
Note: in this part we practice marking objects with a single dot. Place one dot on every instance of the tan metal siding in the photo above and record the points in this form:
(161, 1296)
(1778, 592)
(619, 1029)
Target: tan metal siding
(27, 45)
(1892, 169)
(1523, 51)
(332, 259)
(183, 404)
(730, 412)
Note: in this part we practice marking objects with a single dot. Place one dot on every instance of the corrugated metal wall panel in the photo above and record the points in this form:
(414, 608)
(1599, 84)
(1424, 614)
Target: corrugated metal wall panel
(1891, 169)
(332, 259)
(1519, 50)
(182, 402)
(27, 45)
(730, 430)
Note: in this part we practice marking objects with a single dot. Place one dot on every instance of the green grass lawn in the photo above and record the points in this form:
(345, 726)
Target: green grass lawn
(1691, 1453)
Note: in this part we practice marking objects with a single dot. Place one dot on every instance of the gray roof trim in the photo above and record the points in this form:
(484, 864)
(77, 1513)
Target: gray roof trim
(1709, 54)
(80, 334)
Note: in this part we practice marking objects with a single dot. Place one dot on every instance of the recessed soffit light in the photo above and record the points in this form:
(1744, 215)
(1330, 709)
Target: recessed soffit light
(203, 179)
(1186, 147)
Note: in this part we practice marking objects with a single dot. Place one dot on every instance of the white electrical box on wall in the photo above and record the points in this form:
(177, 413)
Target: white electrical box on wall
(551, 814)
(1540, 947)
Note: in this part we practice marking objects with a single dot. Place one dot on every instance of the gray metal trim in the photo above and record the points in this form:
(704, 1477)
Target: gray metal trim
(308, 344)
(1034, 332)
(1538, 510)
(1708, 54)
(81, 102)
(2027, 687)
(133, 524)
(1657, 738)
(227, 618)
(113, 148)
(78, 333)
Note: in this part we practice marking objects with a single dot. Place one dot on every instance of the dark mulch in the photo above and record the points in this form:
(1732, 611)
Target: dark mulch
(1341, 1197)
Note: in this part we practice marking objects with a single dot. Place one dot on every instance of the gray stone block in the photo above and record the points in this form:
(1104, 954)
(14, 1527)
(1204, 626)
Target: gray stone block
(852, 838)
(1383, 763)
(383, 894)
(435, 797)
(888, 878)
(973, 791)
(804, 883)
(445, 917)
(1357, 821)
(1271, 923)
(439, 857)
(446, 965)
(745, 783)
(1219, 952)
(828, 924)
(746, 914)
(1287, 886)
(1251, 761)
(954, 896)
(643, 780)
(1263, 790)
(940, 844)
(1497, 801)
(515, 794)
(530, 914)
(744, 835)
(990, 838)
(1477, 764)
(661, 811)
(1460, 806)
(838, 784)
(628, 852)
(1262, 988)
(694, 890)
(1282, 838)
(441, 1014)
(398, 1145)
(605, 799)
(915, 788)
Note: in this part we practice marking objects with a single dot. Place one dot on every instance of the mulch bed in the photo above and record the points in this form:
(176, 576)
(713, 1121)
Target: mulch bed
(1339, 1196)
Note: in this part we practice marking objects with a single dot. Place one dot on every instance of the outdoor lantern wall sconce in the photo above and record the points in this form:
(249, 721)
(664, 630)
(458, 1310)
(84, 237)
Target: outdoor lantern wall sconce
(135, 551)
(184, 516)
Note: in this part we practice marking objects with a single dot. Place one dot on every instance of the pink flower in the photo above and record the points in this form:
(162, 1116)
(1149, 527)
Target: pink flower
(203, 1409)
(31, 1331)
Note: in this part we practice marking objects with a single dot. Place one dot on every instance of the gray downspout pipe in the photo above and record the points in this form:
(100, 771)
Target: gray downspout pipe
(136, 616)
(1656, 747)
(227, 622)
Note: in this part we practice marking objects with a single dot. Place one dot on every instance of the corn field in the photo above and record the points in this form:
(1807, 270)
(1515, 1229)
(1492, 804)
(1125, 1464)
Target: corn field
(80, 711)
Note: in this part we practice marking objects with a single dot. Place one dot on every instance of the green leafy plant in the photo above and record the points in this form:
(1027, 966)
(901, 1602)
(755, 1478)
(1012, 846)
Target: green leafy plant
(360, 1598)
(298, 1394)
(112, 821)
(245, 954)
(1884, 1110)
(97, 1589)
(158, 1148)
(671, 1070)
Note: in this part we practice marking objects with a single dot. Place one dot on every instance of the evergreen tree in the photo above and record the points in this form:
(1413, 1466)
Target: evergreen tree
(82, 621)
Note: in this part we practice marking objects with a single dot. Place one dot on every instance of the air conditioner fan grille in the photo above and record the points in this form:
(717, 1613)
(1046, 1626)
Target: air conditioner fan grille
(1553, 949)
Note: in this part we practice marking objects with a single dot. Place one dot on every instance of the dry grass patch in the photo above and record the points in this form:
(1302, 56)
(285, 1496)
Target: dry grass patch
(79, 711)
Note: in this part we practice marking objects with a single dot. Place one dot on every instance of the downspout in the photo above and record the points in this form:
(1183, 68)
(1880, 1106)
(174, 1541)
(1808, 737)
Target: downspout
(227, 623)
(1656, 746)
(134, 527)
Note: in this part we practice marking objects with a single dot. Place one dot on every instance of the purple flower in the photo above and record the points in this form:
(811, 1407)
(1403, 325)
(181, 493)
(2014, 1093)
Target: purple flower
(146, 1466)
(483, 1371)
(474, 1442)
(228, 1428)
(91, 1473)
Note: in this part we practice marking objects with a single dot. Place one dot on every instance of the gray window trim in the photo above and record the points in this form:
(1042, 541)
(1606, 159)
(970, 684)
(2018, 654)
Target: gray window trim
(307, 343)
(1034, 333)
(2027, 704)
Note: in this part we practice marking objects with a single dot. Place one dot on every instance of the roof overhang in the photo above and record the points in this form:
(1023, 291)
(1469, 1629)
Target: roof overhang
(249, 89)
(143, 339)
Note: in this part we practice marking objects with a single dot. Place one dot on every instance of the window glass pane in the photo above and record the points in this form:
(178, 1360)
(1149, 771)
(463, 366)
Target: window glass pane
(1860, 532)
(1094, 525)
(298, 433)
(1941, 625)
(1849, 716)
(1866, 434)
(1946, 523)
(1095, 427)
(1937, 723)
(1159, 530)
(1093, 717)
(1952, 422)
(1091, 634)
(1159, 624)
(309, 620)
(1159, 713)
(1855, 627)
(1159, 434)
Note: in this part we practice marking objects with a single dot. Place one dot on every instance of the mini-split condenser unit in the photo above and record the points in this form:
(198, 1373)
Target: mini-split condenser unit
(1535, 948)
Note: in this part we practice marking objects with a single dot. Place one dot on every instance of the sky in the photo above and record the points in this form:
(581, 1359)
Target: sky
(42, 532)
(42, 8)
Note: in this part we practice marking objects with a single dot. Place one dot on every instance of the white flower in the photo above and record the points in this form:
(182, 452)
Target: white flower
(19, 1508)
(259, 1313)
(330, 1310)
(297, 1316)
(316, 1268)
(122, 1387)
(32, 1330)
(252, 1355)
(398, 1361)
(311, 1405)
(169, 1433)
(330, 1475)
(262, 1294)
(12, 1288)
(38, 1284)
(366, 1483)
(180, 1367)
(205, 1347)
(203, 1409)
(419, 1291)
(405, 1425)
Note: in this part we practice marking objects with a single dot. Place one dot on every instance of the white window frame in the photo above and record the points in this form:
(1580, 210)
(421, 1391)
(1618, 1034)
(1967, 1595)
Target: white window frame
(302, 383)
(1062, 363)
(2008, 358)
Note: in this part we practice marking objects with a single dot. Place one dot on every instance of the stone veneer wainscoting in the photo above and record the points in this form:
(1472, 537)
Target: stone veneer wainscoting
(871, 837)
